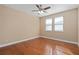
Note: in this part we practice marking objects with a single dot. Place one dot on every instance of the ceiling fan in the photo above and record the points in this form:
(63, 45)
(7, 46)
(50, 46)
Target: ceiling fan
(41, 9)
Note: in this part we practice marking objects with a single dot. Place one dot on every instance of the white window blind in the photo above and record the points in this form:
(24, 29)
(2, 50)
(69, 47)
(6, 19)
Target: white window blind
(58, 24)
(48, 24)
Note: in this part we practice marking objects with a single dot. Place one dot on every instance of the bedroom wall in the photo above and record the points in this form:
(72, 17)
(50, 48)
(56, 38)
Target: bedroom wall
(78, 27)
(70, 26)
(16, 25)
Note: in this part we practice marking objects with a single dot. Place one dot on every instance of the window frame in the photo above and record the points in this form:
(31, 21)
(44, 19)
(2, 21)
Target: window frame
(48, 25)
(59, 24)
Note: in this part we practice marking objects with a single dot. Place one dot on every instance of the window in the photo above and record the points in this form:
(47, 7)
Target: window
(58, 24)
(48, 24)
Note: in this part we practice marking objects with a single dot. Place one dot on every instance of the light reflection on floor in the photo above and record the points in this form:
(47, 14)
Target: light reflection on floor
(58, 50)
(62, 50)
(48, 50)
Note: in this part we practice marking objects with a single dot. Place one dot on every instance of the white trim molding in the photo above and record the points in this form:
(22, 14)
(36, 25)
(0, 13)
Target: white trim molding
(11, 43)
(60, 40)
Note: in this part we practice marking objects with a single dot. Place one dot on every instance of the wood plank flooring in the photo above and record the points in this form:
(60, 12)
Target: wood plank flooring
(40, 46)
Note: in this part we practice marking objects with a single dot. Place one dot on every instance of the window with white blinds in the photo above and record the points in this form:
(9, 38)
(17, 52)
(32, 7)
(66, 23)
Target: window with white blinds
(48, 24)
(58, 24)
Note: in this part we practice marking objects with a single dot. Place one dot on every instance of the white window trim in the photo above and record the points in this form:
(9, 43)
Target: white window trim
(59, 24)
(48, 25)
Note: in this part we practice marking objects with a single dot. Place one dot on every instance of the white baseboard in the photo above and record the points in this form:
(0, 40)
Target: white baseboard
(4, 45)
(59, 39)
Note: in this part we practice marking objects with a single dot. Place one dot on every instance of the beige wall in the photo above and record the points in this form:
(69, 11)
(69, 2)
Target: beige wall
(70, 26)
(16, 25)
(78, 26)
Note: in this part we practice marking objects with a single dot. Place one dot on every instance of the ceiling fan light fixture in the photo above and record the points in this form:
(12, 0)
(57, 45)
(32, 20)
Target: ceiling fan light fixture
(40, 12)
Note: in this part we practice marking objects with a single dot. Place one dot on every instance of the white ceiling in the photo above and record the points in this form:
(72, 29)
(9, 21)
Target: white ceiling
(55, 8)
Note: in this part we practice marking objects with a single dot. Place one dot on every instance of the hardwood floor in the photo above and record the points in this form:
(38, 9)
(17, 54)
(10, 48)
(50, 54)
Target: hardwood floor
(40, 46)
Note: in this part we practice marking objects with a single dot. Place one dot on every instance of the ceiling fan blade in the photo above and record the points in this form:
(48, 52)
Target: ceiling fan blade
(37, 6)
(40, 5)
(44, 11)
(35, 10)
(47, 8)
